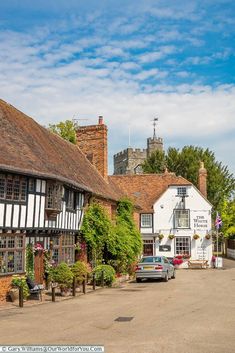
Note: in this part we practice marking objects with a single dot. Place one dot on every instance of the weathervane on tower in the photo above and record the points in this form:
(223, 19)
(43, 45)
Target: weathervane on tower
(154, 126)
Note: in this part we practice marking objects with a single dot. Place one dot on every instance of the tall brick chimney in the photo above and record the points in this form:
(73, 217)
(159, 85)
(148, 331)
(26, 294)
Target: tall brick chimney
(92, 140)
(202, 179)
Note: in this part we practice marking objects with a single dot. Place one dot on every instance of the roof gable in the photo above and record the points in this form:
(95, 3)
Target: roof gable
(28, 148)
(146, 189)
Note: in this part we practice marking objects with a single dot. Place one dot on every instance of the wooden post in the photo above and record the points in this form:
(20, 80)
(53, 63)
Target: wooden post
(93, 281)
(74, 286)
(84, 286)
(102, 278)
(21, 297)
(53, 293)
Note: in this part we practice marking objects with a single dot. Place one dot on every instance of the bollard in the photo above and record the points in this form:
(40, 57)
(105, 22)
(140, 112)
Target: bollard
(21, 297)
(93, 281)
(74, 286)
(84, 285)
(102, 278)
(53, 293)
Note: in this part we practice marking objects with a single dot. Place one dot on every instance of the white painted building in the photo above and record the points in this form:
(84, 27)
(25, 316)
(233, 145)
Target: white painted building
(173, 213)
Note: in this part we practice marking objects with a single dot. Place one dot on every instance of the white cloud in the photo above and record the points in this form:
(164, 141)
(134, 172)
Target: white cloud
(35, 81)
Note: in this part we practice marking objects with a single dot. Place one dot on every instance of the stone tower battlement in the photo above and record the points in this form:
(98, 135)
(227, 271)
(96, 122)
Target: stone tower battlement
(129, 161)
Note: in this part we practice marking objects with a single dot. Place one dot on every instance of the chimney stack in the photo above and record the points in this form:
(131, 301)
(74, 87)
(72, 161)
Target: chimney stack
(202, 179)
(92, 140)
(101, 120)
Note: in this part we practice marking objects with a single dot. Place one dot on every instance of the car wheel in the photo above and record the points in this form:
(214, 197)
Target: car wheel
(166, 278)
(173, 276)
(138, 280)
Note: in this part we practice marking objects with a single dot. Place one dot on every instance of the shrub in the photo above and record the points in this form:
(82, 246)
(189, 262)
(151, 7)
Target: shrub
(20, 281)
(109, 274)
(63, 275)
(80, 270)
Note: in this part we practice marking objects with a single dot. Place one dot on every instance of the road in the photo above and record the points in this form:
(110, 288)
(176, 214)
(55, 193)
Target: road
(191, 314)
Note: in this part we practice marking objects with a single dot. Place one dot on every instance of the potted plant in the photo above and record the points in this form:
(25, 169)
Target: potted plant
(171, 236)
(17, 282)
(196, 236)
(63, 276)
(160, 237)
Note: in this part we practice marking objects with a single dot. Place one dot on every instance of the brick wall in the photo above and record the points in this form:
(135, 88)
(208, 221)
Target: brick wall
(92, 140)
(5, 285)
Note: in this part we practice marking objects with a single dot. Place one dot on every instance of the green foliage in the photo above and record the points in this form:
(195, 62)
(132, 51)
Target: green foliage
(125, 244)
(62, 274)
(155, 163)
(30, 261)
(109, 274)
(80, 270)
(220, 182)
(118, 244)
(96, 228)
(228, 218)
(66, 130)
(20, 281)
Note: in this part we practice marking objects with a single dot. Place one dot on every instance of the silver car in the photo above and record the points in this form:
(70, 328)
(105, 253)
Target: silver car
(154, 267)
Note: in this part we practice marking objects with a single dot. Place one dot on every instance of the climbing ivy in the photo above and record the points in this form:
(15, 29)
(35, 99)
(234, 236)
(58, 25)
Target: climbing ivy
(30, 261)
(117, 243)
(126, 244)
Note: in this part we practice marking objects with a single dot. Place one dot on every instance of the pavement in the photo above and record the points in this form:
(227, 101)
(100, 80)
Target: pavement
(191, 314)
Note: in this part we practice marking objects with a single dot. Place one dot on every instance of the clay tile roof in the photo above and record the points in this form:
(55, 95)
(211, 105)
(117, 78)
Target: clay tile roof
(145, 189)
(28, 148)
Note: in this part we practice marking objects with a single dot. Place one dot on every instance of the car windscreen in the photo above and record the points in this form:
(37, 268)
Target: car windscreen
(151, 259)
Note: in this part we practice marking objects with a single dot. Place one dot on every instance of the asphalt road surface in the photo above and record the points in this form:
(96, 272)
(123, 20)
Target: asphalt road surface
(191, 314)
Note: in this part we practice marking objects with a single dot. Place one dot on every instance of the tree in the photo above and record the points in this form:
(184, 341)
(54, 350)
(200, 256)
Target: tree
(228, 218)
(66, 129)
(155, 163)
(220, 182)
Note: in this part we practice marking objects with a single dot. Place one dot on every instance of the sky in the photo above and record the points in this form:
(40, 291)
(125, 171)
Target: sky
(128, 60)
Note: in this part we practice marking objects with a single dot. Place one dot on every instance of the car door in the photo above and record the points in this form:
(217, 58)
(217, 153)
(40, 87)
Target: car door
(167, 266)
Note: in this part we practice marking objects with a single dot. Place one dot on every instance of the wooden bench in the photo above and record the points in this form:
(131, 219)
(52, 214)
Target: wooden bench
(198, 263)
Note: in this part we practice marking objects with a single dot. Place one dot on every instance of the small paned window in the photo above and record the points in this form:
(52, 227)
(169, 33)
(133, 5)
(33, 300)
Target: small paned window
(182, 191)
(146, 220)
(182, 246)
(63, 249)
(31, 185)
(54, 196)
(70, 199)
(12, 188)
(11, 254)
(181, 218)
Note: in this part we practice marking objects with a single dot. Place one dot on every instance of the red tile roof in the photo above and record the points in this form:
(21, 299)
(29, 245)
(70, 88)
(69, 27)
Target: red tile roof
(145, 189)
(27, 147)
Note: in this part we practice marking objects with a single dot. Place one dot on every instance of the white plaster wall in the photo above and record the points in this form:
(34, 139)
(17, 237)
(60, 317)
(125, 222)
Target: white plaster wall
(200, 222)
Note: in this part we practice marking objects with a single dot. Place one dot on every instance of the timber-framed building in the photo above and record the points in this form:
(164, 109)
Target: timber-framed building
(45, 183)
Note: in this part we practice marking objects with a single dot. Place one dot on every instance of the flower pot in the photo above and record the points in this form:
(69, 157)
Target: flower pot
(65, 292)
(14, 294)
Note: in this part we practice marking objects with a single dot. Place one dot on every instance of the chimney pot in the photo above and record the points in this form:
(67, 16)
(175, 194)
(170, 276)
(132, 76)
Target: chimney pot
(101, 120)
